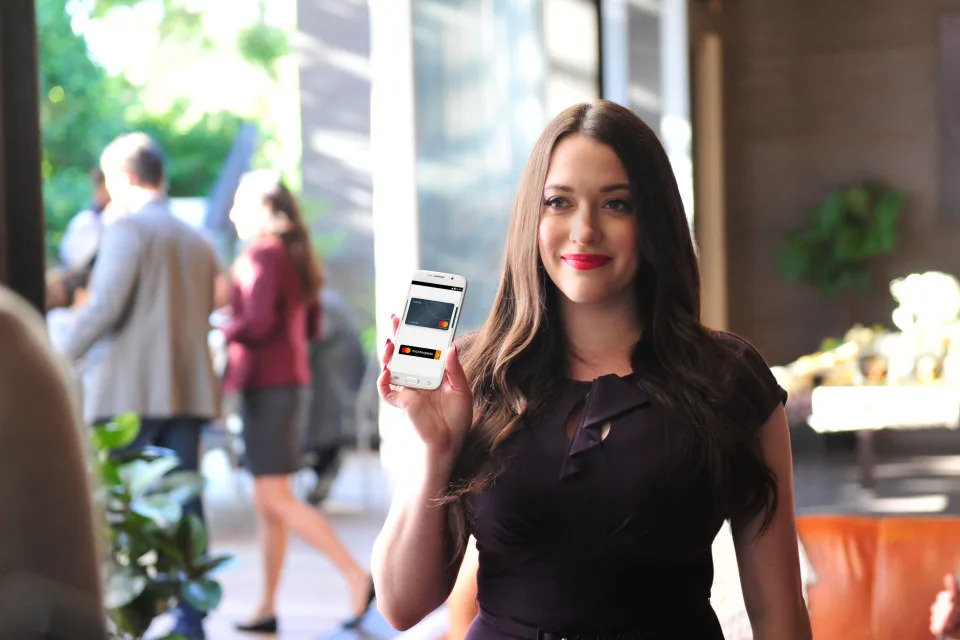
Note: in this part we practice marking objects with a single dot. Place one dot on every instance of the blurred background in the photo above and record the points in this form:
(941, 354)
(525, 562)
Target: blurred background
(816, 145)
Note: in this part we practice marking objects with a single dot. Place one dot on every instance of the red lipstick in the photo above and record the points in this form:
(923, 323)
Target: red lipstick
(585, 261)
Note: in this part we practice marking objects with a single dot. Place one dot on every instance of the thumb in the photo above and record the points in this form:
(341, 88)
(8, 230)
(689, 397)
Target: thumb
(455, 373)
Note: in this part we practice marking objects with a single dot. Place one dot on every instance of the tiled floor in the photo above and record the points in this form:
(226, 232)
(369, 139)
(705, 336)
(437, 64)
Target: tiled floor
(923, 477)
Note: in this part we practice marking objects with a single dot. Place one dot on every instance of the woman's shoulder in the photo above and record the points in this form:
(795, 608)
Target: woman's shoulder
(266, 246)
(265, 254)
(739, 346)
(746, 353)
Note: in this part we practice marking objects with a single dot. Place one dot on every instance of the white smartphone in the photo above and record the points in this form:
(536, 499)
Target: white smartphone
(427, 328)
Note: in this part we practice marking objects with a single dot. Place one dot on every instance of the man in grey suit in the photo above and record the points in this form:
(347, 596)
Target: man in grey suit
(151, 295)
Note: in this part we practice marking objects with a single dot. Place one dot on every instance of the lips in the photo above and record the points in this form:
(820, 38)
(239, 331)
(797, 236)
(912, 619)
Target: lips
(584, 261)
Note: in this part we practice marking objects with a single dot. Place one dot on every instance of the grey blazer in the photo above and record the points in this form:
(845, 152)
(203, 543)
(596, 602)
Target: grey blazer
(151, 295)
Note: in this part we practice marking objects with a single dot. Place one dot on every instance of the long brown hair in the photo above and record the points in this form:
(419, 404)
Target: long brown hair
(268, 187)
(514, 359)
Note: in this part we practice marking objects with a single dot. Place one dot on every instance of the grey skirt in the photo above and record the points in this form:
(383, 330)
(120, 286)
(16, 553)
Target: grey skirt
(273, 422)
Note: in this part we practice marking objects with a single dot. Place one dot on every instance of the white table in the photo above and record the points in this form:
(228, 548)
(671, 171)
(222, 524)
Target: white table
(869, 408)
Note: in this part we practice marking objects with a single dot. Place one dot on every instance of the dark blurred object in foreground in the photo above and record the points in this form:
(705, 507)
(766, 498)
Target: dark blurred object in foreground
(49, 580)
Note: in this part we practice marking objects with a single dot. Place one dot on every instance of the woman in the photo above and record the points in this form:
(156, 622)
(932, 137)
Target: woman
(274, 311)
(596, 435)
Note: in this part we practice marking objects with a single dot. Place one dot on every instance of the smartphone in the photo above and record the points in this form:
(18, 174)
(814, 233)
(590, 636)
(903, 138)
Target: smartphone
(427, 328)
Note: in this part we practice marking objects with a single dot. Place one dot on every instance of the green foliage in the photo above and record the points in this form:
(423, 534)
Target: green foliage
(180, 22)
(82, 108)
(262, 45)
(195, 154)
(157, 556)
(846, 230)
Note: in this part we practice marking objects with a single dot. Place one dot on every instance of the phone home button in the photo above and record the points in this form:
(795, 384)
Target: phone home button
(412, 380)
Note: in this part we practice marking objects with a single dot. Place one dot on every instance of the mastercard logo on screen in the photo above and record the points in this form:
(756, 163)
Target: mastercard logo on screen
(420, 352)
(444, 324)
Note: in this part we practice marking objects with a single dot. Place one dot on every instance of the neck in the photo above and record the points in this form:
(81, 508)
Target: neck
(138, 197)
(600, 337)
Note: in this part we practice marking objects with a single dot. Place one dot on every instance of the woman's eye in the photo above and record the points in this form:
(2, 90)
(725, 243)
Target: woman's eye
(620, 205)
(557, 202)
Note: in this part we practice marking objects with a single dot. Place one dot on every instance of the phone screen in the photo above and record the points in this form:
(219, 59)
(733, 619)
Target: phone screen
(426, 329)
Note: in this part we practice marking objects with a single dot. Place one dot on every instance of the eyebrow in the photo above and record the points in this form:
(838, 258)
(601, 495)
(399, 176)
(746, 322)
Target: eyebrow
(606, 189)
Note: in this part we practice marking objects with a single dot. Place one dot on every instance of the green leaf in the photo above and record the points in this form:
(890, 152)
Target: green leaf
(208, 563)
(140, 476)
(192, 537)
(135, 617)
(159, 508)
(116, 434)
(857, 200)
(109, 475)
(124, 584)
(204, 595)
(181, 486)
(827, 216)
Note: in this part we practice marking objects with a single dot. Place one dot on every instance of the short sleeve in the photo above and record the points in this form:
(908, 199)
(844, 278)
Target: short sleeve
(771, 393)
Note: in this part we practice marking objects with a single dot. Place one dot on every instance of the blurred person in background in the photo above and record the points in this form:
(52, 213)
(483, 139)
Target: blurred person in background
(337, 365)
(61, 323)
(151, 294)
(274, 311)
(82, 235)
(596, 435)
(79, 245)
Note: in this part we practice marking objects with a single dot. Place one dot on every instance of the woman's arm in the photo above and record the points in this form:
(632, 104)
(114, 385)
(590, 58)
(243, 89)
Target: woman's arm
(770, 564)
(412, 565)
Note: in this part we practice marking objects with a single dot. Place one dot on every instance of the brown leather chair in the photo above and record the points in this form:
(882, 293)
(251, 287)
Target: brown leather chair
(877, 576)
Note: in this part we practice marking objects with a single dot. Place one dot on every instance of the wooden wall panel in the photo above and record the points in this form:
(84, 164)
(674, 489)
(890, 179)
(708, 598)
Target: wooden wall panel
(819, 93)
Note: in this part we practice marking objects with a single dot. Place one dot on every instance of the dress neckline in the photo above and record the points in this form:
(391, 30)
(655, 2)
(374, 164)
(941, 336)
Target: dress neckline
(629, 377)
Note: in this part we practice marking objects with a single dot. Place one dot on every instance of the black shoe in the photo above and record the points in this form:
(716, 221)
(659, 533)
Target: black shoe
(263, 625)
(355, 621)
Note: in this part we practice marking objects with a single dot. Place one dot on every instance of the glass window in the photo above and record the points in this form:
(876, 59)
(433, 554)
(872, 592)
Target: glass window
(480, 87)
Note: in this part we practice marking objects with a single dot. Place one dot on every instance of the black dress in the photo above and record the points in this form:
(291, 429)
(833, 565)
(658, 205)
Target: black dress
(590, 535)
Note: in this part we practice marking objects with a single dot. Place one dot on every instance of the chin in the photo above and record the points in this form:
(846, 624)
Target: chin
(585, 294)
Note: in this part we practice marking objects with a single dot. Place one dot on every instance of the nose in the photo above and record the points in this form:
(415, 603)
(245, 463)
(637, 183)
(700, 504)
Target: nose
(585, 227)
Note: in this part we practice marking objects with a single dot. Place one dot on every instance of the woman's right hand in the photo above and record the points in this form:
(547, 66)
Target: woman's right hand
(441, 416)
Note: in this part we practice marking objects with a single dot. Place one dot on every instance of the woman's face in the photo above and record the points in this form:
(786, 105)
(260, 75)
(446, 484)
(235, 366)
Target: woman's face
(588, 225)
(248, 214)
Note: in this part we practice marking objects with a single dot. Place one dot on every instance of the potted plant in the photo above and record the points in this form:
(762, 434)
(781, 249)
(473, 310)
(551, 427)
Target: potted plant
(156, 555)
(845, 232)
